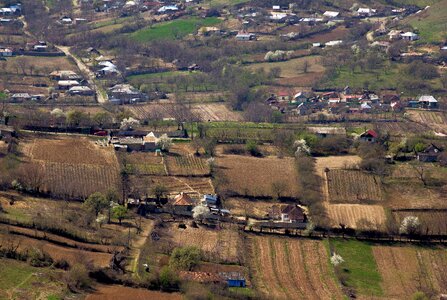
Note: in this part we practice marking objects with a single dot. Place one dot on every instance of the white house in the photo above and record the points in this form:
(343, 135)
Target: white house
(409, 36)
(331, 14)
(366, 12)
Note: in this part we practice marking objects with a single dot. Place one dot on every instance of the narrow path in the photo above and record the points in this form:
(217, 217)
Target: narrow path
(138, 244)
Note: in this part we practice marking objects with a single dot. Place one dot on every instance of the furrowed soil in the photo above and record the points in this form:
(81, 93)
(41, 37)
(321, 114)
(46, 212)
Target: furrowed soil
(293, 269)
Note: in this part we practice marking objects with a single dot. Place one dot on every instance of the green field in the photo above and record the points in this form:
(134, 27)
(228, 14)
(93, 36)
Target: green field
(18, 280)
(173, 30)
(390, 76)
(431, 24)
(157, 77)
(225, 2)
(360, 266)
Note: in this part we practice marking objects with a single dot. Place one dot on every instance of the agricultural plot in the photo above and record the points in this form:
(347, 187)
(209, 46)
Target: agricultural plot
(108, 292)
(357, 216)
(401, 128)
(188, 165)
(336, 162)
(203, 112)
(71, 255)
(74, 167)
(140, 163)
(217, 245)
(347, 186)
(436, 120)
(258, 177)
(406, 270)
(432, 221)
(292, 269)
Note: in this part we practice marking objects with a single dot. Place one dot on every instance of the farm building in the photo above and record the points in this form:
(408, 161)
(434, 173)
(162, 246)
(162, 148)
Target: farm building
(183, 204)
(427, 101)
(331, 14)
(209, 200)
(64, 75)
(409, 36)
(124, 94)
(20, 97)
(245, 36)
(5, 52)
(369, 136)
(430, 154)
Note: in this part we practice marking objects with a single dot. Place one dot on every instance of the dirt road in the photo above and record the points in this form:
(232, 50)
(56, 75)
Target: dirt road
(84, 69)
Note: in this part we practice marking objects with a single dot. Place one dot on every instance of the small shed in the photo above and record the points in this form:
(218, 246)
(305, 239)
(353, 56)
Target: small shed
(234, 279)
(430, 154)
(369, 136)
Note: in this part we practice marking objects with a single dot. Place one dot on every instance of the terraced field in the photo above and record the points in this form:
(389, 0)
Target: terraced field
(292, 269)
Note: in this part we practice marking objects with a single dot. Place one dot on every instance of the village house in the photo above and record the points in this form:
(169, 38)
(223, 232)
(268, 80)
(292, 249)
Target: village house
(331, 14)
(107, 68)
(245, 36)
(168, 9)
(409, 36)
(6, 52)
(65, 85)
(288, 213)
(183, 204)
(20, 97)
(366, 12)
(64, 75)
(430, 154)
(369, 136)
(428, 101)
(134, 141)
(81, 91)
(125, 94)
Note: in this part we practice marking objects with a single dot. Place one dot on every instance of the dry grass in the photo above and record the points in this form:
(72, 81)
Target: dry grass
(346, 186)
(406, 270)
(41, 65)
(243, 207)
(292, 269)
(220, 245)
(143, 163)
(250, 176)
(291, 68)
(107, 292)
(336, 162)
(357, 216)
(437, 121)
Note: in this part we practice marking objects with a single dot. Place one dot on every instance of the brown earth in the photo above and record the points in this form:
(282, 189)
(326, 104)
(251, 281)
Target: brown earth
(116, 292)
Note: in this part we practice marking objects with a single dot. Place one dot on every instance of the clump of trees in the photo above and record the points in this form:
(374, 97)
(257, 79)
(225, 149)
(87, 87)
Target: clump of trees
(278, 55)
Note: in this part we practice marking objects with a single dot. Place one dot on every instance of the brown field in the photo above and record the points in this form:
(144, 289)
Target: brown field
(41, 65)
(336, 162)
(242, 207)
(203, 112)
(356, 216)
(71, 255)
(194, 186)
(406, 270)
(292, 269)
(250, 176)
(401, 128)
(188, 165)
(116, 292)
(219, 245)
(433, 222)
(74, 167)
(436, 120)
(348, 186)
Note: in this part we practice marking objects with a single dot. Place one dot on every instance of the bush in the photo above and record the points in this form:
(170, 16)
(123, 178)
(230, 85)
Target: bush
(185, 258)
(39, 258)
(77, 277)
(253, 149)
(168, 279)
(61, 264)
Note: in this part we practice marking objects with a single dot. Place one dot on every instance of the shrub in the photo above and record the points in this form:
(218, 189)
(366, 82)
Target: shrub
(168, 279)
(185, 258)
(39, 258)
